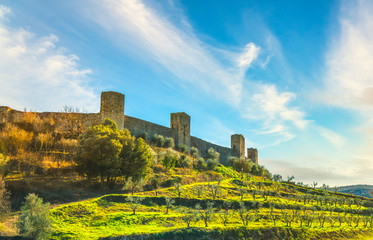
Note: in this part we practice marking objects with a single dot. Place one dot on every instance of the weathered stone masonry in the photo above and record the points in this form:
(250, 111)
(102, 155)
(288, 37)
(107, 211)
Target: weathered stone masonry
(112, 106)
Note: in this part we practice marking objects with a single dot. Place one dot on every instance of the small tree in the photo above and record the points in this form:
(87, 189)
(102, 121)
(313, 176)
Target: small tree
(274, 217)
(169, 203)
(198, 190)
(244, 214)
(183, 148)
(242, 192)
(277, 178)
(35, 221)
(134, 202)
(206, 214)
(169, 161)
(178, 188)
(225, 213)
(169, 142)
(158, 140)
(133, 185)
(194, 153)
(211, 164)
(188, 215)
(215, 190)
(201, 165)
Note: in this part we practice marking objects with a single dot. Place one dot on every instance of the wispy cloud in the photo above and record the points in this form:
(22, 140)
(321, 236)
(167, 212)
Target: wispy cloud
(348, 81)
(333, 137)
(4, 11)
(177, 48)
(36, 74)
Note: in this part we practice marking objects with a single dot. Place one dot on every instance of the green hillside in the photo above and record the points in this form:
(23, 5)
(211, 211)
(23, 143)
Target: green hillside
(250, 206)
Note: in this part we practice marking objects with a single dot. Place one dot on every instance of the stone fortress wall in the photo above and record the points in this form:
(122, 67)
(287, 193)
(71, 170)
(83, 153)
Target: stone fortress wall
(112, 106)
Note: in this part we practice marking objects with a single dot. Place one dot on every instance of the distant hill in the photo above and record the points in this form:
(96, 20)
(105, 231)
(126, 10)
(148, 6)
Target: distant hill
(359, 190)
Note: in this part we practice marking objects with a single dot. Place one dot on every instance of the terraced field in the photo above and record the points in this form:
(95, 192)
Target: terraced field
(235, 207)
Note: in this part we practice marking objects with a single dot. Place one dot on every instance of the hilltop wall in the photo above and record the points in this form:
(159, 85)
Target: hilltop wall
(203, 146)
(138, 126)
(112, 106)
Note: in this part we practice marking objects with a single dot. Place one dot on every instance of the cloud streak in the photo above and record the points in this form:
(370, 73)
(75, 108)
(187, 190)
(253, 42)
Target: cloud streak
(348, 81)
(137, 26)
(38, 75)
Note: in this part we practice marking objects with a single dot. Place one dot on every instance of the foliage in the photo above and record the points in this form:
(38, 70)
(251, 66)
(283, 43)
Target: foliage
(212, 154)
(183, 148)
(206, 214)
(169, 203)
(135, 157)
(4, 160)
(211, 164)
(242, 165)
(99, 149)
(201, 165)
(178, 189)
(107, 152)
(134, 202)
(158, 140)
(169, 142)
(169, 161)
(194, 152)
(134, 185)
(4, 200)
(35, 221)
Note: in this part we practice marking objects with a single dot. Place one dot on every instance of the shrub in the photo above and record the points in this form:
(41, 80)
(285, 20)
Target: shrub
(35, 221)
(201, 165)
(183, 148)
(143, 135)
(158, 140)
(212, 154)
(169, 142)
(211, 164)
(169, 161)
(185, 162)
(241, 165)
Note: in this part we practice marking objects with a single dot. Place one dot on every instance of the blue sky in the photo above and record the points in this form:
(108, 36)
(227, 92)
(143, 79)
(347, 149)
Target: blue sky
(294, 77)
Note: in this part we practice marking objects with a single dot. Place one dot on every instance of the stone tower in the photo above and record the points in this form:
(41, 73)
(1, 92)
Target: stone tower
(238, 145)
(181, 122)
(112, 106)
(252, 153)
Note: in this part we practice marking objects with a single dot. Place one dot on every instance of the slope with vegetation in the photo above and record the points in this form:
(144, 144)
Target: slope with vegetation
(159, 192)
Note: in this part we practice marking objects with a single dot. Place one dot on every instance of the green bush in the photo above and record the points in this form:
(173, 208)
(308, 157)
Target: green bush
(241, 165)
(211, 164)
(169, 142)
(35, 221)
(158, 140)
(185, 162)
(183, 148)
(201, 165)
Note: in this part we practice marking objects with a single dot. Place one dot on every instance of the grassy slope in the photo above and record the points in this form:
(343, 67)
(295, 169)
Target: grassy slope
(110, 215)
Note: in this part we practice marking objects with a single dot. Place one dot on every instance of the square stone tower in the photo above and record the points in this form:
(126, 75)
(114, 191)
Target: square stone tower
(181, 123)
(112, 106)
(238, 145)
(252, 153)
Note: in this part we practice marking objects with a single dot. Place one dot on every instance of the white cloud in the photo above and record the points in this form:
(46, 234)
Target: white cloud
(349, 81)
(35, 74)
(140, 29)
(246, 58)
(4, 11)
(333, 137)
